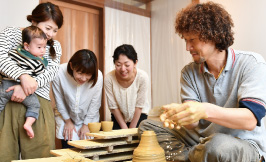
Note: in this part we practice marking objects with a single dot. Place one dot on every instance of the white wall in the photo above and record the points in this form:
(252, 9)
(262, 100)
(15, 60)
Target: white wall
(250, 24)
(169, 55)
(14, 12)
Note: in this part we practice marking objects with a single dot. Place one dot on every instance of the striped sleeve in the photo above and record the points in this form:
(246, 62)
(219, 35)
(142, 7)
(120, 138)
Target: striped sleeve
(53, 66)
(10, 38)
(33, 67)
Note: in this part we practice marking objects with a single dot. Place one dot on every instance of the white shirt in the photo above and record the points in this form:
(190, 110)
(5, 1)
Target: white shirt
(127, 99)
(81, 103)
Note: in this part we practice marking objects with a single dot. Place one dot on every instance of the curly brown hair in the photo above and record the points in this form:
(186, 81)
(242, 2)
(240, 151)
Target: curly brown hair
(210, 21)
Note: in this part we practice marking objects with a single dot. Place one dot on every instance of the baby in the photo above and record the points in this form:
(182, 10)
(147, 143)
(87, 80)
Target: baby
(30, 58)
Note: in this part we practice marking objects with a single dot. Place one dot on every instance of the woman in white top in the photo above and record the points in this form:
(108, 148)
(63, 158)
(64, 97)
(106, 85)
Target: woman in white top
(126, 89)
(78, 92)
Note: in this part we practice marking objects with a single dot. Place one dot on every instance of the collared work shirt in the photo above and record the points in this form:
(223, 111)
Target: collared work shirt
(243, 78)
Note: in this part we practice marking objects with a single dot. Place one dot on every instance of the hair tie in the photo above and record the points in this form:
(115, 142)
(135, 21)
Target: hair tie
(49, 8)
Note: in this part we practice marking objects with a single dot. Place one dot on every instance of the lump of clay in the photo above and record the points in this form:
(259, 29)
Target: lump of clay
(149, 149)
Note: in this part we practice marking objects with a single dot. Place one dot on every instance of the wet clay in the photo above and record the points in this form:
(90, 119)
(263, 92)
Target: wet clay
(149, 149)
(94, 127)
(107, 126)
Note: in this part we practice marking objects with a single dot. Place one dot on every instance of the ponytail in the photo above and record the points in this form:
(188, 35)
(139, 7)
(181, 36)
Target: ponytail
(52, 50)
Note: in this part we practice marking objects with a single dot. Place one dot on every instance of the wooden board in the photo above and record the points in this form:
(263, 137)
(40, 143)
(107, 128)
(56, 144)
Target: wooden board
(88, 144)
(56, 159)
(114, 133)
(117, 157)
(93, 152)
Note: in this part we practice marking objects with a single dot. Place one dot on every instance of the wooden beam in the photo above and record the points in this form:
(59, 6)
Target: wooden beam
(112, 4)
(144, 1)
(127, 8)
(96, 4)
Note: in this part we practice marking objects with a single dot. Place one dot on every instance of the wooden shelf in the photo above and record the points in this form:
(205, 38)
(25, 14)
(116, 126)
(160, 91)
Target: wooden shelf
(90, 144)
(93, 152)
(114, 134)
(53, 159)
(116, 157)
(117, 145)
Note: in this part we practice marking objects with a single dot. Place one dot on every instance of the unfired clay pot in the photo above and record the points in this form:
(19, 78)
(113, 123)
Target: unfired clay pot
(107, 126)
(94, 127)
(149, 149)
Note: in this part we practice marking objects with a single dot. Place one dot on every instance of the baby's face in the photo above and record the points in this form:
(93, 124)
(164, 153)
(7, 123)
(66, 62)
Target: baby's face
(37, 47)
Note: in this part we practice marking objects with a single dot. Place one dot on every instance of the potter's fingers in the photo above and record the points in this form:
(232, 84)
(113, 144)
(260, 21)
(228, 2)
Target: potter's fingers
(177, 127)
(162, 117)
(188, 120)
(178, 110)
(166, 123)
(171, 126)
(169, 113)
(182, 116)
(169, 106)
(166, 107)
(175, 118)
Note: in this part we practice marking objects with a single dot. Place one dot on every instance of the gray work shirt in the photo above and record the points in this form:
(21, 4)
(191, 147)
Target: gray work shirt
(243, 78)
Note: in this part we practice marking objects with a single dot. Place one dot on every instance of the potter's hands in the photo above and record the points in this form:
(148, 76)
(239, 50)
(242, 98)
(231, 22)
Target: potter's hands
(164, 117)
(18, 94)
(183, 114)
(68, 129)
(82, 131)
(28, 84)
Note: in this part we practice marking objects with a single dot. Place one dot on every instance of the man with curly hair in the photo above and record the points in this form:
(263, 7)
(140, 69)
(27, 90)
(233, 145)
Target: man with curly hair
(222, 91)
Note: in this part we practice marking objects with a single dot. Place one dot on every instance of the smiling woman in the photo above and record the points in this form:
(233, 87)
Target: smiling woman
(126, 89)
(80, 102)
(13, 118)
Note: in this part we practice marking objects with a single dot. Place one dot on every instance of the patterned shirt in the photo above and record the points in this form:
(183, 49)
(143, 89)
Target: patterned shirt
(10, 39)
